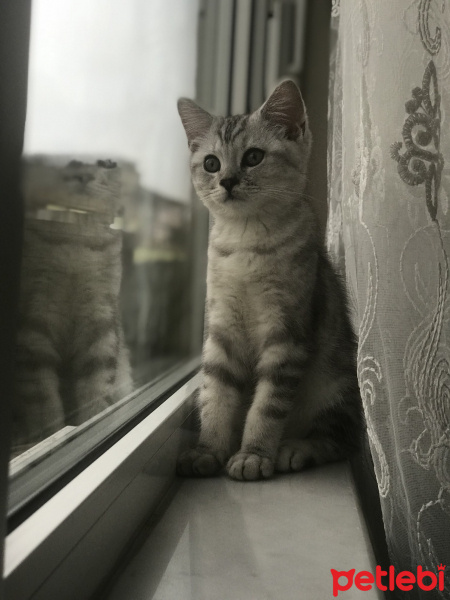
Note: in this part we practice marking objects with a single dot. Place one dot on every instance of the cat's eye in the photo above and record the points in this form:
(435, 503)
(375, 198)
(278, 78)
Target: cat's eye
(211, 163)
(252, 157)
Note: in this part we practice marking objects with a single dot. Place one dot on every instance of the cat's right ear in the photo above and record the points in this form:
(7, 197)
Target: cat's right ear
(196, 121)
(285, 108)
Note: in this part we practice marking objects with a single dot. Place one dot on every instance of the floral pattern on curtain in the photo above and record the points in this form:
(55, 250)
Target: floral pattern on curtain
(389, 229)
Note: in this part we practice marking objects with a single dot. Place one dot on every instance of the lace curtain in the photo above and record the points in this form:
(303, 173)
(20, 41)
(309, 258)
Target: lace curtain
(389, 228)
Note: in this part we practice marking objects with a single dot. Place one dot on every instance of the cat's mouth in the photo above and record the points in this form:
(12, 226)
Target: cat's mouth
(231, 197)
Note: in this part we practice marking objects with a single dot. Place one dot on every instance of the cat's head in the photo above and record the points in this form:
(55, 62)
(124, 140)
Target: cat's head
(247, 165)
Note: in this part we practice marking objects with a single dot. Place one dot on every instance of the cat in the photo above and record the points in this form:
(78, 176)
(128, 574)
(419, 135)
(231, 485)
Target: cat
(280, 390)
(71, 361)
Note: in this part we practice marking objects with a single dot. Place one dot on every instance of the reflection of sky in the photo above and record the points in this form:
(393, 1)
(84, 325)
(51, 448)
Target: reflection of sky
(104, 79)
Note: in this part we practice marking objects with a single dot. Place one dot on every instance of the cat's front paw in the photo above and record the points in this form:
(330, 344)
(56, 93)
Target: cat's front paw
(294, 455)
(246, 466)
(200, 462)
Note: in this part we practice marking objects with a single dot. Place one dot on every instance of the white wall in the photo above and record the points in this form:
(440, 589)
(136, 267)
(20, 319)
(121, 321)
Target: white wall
(104, 79)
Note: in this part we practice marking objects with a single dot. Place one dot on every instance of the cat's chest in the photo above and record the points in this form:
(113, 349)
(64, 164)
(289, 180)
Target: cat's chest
(241, 269)
(245, 297)
(247, 286)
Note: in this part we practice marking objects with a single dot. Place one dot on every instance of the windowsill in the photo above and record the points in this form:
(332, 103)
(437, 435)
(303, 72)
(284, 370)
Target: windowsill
(219, 539)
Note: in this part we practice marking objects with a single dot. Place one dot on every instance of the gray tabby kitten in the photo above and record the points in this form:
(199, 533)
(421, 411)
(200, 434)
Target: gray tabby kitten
(71, 359)
(280, 390)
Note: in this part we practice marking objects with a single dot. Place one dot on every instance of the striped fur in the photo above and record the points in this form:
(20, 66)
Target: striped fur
(71, 359)
(279, 388)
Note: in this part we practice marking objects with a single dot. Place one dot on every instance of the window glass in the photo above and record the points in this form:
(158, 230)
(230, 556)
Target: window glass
(109, 259)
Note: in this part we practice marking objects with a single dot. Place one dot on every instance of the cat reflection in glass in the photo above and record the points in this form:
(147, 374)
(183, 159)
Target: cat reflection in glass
(279, 387)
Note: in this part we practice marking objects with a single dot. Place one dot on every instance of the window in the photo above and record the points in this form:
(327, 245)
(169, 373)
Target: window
(109, 302)
(113, 267)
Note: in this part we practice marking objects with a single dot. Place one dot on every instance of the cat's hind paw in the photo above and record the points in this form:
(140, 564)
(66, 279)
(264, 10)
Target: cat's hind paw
(246, 466)
(199, 462)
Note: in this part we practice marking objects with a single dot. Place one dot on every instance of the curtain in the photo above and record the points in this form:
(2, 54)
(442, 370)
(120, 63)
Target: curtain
(389, 229)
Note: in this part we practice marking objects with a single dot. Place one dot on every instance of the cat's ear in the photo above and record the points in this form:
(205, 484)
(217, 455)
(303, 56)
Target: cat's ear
(196, 121)
(285, 108)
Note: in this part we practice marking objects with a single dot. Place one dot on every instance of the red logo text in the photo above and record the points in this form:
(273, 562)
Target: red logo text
(404, 580)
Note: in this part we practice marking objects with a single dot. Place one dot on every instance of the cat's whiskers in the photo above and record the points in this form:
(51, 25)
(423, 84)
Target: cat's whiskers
(263, 224)
(245, 228)
(282, 191)
(213, 193)
(265, 211)
(280, 194)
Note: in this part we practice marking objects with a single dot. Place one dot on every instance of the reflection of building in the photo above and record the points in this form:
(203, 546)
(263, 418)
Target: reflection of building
(155, 297)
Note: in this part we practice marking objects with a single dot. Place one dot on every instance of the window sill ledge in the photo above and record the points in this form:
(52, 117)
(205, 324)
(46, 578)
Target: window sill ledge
(221, 539)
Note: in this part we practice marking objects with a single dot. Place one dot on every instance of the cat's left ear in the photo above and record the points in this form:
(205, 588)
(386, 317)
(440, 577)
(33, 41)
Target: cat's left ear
(285, 108)
(196, 121)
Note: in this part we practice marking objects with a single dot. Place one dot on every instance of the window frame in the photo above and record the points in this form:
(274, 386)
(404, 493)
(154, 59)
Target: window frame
(14, 41)
(51, 468)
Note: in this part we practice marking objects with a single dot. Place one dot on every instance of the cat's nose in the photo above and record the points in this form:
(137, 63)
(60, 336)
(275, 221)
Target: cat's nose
(229, 183)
